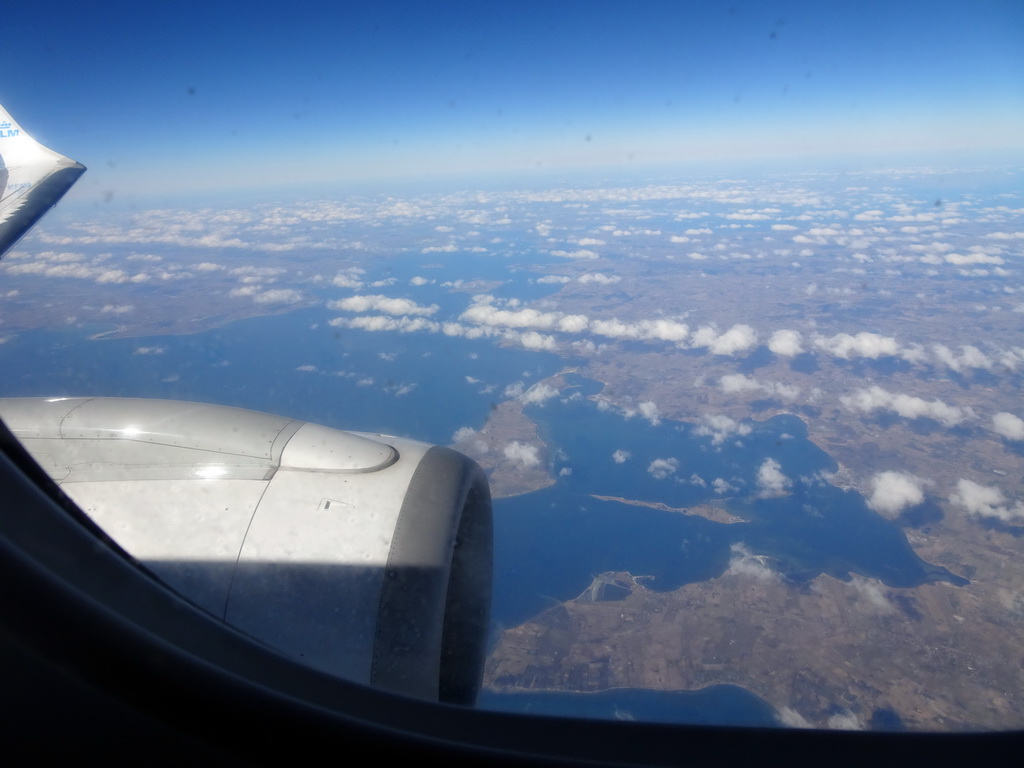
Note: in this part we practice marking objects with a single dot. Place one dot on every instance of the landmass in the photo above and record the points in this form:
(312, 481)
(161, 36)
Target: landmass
(709, 511)
(824, 654)
(509, 449)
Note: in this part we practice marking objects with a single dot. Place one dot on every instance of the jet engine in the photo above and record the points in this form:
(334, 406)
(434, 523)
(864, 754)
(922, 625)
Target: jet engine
(363, 555)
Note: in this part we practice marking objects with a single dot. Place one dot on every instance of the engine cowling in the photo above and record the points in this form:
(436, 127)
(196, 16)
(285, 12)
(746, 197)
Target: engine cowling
(363, 555)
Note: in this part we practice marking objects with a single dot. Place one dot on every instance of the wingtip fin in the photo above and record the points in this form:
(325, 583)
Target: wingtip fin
(33, 178)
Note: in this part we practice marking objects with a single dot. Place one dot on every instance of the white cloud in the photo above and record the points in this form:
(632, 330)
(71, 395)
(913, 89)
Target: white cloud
(786, 343)
(892, 491)
(112, 276)
(914, 353)
(723, 486)
(150, 350)
(864, 344)
(660, 469)
(417, 280)
(970, 357)
(907, 406)
(599, 278)
(703, 336)
(621, 456)
(985, 501)
(614, 329)
(790, 718)
(869, 595)
(553, 279)
(720, 427)
(483, 312)
(455, 329)
(278, 296)
(746, 216)
(378, 303)
(649, 410)
(582, 253)
(534, 340)
(378, 323)
(962, 259)
(490, 313)
(587, 347)
(1008, 425)
(573, 323)
(737, 382)
(527, 455)
(744, 563)
(662, 330)
(249, 270)
(61, 270)
(539, 394)
(770, 479)
(736, 339)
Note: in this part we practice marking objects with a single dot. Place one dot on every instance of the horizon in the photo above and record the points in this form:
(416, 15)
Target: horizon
(209, 98)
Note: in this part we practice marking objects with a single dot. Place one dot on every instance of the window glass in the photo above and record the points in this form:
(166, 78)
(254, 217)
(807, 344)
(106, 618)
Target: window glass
(725, 300)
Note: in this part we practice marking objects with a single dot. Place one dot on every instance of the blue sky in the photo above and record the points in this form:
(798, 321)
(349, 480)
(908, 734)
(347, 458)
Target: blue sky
(165, 96)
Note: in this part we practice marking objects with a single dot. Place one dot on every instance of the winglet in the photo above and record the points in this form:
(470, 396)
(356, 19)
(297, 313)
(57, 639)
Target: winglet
(32, 179)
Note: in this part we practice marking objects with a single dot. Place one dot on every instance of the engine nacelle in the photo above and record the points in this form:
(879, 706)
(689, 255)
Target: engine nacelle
(363, 555)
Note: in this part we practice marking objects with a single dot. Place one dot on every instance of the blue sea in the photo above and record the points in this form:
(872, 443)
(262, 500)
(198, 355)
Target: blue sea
(814, 528)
